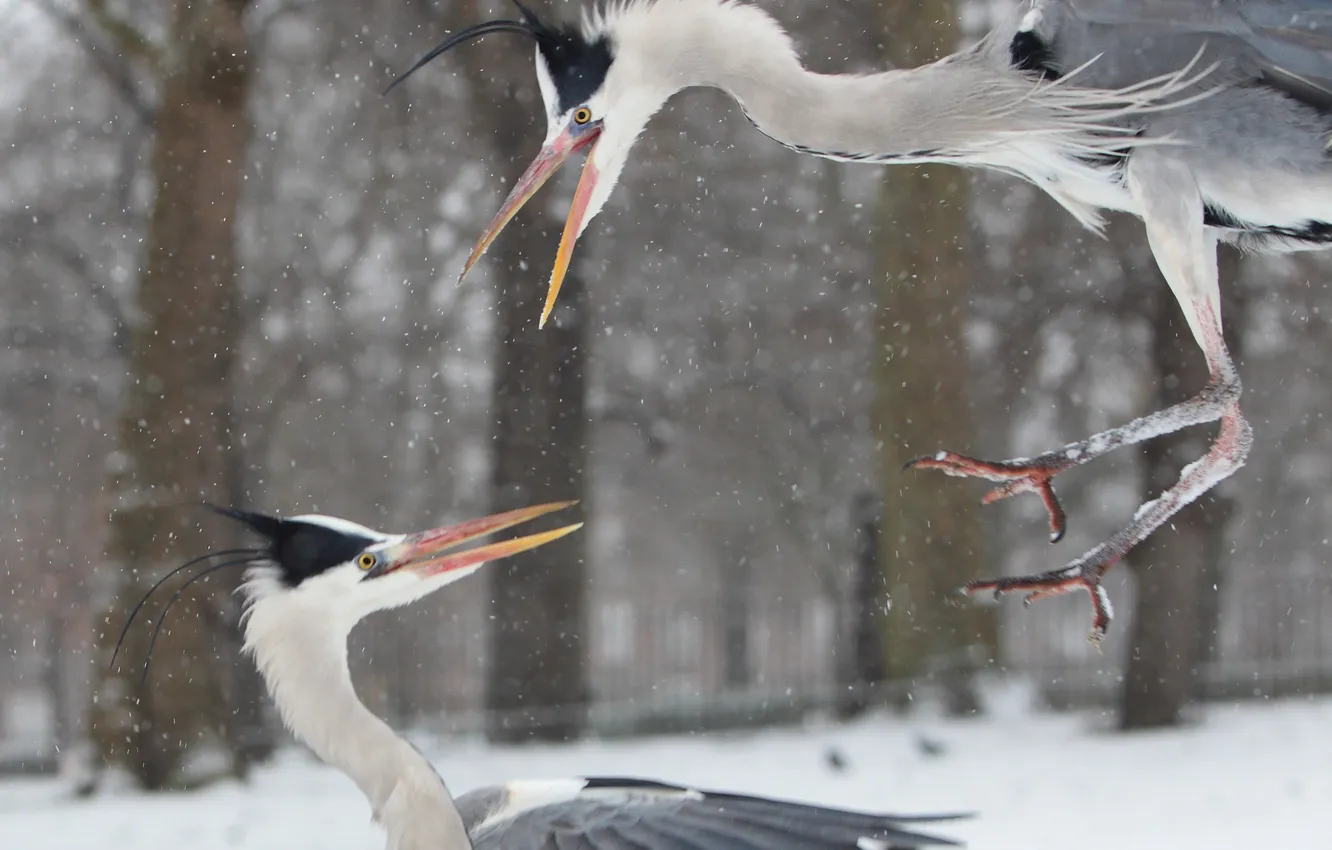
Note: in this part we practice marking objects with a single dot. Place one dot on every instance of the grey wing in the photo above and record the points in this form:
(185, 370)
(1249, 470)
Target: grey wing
(636, 815)
(1292, 39)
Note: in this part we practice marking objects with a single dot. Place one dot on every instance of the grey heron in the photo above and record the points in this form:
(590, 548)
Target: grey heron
(1097, 102)
(314, 577)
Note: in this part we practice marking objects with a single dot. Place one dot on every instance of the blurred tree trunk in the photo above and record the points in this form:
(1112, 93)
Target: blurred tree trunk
(55, 674)
(536, 684)
(175, 437)
(735, 598)
(866, 666)
(1178, 569)
(932, 540)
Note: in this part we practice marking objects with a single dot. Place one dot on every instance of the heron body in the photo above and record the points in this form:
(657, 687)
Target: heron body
(314, 577)
(1210, 120)
(1256, 145)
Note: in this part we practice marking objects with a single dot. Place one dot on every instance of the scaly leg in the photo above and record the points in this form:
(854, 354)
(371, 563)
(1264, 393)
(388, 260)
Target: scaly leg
(1226, 455)
(1171, 206)
(1025, 475)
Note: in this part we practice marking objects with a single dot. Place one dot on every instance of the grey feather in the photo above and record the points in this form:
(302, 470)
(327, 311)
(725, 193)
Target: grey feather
(1288, 41)
(635, 815)
(1257, 146)
(476, 807)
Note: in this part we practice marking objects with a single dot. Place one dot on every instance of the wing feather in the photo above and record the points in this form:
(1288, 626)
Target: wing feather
(701, 833)
(1291, 39)
(800, 826)
(629, 842)
(645, 816)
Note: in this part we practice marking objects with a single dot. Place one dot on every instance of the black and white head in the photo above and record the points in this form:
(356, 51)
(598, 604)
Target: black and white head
(349, 571)
(601, 82)
(339, 571)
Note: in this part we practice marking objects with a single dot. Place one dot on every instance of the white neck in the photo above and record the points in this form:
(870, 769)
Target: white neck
(970, 108)
(739, 48)
(301, 651)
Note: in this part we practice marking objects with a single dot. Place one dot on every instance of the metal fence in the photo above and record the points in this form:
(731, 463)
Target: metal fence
(665, 663)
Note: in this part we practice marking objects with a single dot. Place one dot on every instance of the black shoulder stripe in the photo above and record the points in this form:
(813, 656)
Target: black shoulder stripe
(1029, 52)
(1311, 232)
(607, 782)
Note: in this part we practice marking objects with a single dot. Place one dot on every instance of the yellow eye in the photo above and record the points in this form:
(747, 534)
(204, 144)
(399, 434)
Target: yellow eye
(366, 561)
(582, 115)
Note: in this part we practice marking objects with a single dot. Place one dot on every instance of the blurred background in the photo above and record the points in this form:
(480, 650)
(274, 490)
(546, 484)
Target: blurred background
(230, 273)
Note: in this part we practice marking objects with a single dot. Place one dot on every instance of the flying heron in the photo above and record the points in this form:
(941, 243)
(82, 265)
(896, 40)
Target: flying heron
(1097, 102)
(314, 577)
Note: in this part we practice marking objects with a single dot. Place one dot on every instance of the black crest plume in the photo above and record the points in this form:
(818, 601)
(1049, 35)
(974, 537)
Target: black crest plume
(530, 26)
(298, 549)
(264, 525)
(577, 67)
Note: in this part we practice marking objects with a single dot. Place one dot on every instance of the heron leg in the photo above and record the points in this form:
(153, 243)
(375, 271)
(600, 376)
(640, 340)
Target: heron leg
(1172, 211)
(1226, 455)
(1028, 475)
(1218, 400)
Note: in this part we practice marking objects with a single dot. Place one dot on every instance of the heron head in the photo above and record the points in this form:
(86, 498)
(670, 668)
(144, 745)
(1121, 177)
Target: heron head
(351, 571)
(594, 105)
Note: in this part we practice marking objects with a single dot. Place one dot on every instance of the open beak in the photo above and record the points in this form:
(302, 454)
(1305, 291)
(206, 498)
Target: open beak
(547, 162)
(428, 553)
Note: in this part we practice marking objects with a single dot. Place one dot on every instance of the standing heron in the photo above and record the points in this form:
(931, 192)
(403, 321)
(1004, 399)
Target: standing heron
(315, 577)
(1094, 101)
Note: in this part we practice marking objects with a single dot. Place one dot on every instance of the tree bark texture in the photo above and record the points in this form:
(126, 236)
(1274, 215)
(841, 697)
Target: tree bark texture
(866, 668)
(932, 540)
(176, 433)
(734, 599)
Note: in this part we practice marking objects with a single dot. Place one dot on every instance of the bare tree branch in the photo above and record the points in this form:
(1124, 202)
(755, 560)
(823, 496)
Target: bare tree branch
(47, 340)
(655, 430)
(114, 69)
(127, 37)
(38, 227)
(74, 260)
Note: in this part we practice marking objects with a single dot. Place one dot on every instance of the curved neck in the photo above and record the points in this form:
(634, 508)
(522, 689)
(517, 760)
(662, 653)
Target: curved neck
(302, 653)
(971, 108)
(954, 109)
(742, 50)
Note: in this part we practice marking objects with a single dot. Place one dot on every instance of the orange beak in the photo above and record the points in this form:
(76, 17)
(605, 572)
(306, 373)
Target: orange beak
(427, 553)
(547, 162)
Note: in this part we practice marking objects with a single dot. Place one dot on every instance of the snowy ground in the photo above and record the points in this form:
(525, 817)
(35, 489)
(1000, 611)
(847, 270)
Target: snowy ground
(1251, 776)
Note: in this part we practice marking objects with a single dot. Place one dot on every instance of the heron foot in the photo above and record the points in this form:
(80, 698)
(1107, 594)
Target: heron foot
(1034, 475)
(1227, 454)
(1218, 400)
(1026, 475)
(1082, 574)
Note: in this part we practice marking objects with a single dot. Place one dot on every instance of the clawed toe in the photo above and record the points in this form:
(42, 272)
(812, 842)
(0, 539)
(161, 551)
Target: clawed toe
(1082, 574)
(1014, 476)
(1226, 454)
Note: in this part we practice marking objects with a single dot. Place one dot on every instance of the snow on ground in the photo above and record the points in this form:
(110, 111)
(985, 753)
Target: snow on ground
(1254, 775)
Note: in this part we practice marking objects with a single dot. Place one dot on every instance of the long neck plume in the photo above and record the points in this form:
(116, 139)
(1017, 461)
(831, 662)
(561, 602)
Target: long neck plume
(970, 108)
(302, 653)
(933, 110)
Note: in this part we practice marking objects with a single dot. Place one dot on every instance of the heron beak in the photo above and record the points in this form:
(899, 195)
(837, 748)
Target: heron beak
(547, 162)
(573, 225)
(428, 553)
